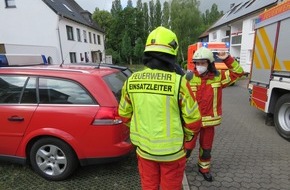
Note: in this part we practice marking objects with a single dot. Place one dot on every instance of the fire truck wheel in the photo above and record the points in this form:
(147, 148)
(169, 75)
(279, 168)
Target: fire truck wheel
(282, 116)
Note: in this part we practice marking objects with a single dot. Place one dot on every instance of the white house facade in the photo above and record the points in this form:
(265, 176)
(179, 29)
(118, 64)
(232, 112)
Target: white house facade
(59, 29)
(237, 26)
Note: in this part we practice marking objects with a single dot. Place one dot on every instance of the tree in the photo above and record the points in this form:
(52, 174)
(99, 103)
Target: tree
(103, 18)
(139, 49)
(157, 14)
(116, 7)
(140, 20)
(185, 21)
(210, 17)
(165, 14)
(139, 5)
(129, 3)
(151, 15)
(127, 29)
(126, 48)
(146, 19)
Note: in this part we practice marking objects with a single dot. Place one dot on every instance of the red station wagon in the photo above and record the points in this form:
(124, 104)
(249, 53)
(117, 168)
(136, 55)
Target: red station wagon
(59, 117)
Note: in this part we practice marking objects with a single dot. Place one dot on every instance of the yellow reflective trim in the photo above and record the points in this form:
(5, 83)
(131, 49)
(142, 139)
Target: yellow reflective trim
(172, 139)
(256, 60)
(264, 61)
(167, 158)
(286, 64)
(269, 48)
(227, 79)
(156, 147)
(193, 88)
(211, 123)
(216, 85)
(135, 116)
(159, 47)
(214, 106)
(168, 118)
(237, 67)
(123, 104)
(204, 165)
(210, 118)
(190, 111)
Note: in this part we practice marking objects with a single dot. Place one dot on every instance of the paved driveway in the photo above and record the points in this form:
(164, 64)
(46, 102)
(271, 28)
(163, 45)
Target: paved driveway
(247, 154)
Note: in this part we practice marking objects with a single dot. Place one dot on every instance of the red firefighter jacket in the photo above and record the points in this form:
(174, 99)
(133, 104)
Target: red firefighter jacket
(208, 91)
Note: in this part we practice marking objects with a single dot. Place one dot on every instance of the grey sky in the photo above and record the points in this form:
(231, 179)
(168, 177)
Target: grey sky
(90, 5)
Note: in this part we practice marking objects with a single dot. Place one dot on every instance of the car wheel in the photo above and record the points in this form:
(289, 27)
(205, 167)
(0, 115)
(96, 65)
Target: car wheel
(53, 159)
(282, 116)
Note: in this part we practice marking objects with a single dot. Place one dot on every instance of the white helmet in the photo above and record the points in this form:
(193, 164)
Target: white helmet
(203, 54)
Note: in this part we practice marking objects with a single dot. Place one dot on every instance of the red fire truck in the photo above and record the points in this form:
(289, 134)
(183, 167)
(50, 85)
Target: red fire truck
(269, 83)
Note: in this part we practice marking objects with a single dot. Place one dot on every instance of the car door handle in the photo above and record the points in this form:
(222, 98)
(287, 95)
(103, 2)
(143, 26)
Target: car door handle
(15, 118)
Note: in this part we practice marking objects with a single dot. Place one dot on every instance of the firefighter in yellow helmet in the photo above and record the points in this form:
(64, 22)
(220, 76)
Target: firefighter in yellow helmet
(161, 112)
(207, 84)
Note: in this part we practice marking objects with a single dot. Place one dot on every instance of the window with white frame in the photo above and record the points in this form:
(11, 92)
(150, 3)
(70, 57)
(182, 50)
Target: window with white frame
(10, 3)
(94, 37)
(69, 31)
(214, 35)
(79, 35)
(99, 39)
(90, 37)
(73, 57)
(85, 36)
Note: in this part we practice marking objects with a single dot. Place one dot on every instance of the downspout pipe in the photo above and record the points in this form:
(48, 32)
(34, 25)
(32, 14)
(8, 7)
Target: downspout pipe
(59, 38)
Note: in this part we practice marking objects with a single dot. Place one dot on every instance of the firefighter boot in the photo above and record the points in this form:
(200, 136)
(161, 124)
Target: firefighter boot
(204, 164)
(207, 176)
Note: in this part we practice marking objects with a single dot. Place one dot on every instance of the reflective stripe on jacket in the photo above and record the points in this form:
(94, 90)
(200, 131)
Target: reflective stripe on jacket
(153, 102)
(208, 91)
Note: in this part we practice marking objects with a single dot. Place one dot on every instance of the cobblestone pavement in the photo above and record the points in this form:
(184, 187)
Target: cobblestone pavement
(246, 153)
(121, 175)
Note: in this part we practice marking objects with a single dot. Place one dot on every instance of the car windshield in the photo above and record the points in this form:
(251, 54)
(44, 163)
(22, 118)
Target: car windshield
(115, 81)
(127, 72)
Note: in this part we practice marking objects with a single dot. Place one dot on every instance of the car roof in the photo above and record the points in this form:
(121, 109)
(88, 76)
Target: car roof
(63, 68)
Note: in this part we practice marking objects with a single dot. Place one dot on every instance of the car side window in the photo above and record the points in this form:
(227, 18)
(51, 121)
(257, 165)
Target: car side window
(116, 81)
(29, 93)
(11, 88)
(59, 91)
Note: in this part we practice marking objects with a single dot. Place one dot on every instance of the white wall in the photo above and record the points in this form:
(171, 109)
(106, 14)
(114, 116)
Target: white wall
(29, 28)
(244, 50)
(75, 45)
(247, 43)
(33, 28)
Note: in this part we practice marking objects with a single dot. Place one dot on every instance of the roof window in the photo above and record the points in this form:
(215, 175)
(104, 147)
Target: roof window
(234, 8)
(250, 3)
(243, 5)
(67, 7)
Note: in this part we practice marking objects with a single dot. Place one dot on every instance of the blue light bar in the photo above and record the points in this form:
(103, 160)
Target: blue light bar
(205, 44)
(228, 44)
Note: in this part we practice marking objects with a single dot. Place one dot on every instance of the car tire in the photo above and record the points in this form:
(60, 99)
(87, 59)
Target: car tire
(53, 159)
(282, 115)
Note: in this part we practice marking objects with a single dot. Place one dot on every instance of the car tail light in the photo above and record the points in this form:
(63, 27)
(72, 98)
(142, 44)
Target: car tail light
(107, 116)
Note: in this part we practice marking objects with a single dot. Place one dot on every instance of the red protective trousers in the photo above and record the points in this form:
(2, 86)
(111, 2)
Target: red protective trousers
(206, 136)
(165, 175)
